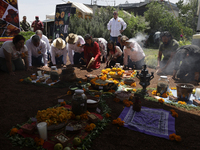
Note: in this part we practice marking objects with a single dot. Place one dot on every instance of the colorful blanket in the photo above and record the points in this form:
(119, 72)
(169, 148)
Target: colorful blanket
(156, 122)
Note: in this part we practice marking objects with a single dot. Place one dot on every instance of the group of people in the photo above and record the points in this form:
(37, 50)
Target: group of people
(180, 62)
(36, 25)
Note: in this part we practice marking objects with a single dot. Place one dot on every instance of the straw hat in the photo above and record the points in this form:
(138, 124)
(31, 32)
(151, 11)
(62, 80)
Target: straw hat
(58, 43)
(72, 38)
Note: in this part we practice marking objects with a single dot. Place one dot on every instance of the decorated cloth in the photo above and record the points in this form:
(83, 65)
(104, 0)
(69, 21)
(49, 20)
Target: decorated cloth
(92, 51)
(156, 122)
(49, 144)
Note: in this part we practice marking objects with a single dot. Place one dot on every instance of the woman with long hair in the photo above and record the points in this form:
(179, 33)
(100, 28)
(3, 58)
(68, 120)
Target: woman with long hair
(114, 54)
(91, 53)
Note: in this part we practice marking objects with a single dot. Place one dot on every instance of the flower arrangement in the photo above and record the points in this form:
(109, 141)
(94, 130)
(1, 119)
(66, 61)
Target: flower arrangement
(127, 102)
(174, 114)
(104, 71)
(173, 137)
(118, 121)
(134, 90)
(122, 83)
(182, 102)
(173, 88)
(97, 96)
(53, 115)
(90, 127)
(108, 69)
(13, 131)
(164, 95)
(161, 100)
(84, 116)
(39, 141)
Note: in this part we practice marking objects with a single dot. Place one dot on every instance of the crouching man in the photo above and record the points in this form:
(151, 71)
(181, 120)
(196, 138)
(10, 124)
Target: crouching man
(187, 60)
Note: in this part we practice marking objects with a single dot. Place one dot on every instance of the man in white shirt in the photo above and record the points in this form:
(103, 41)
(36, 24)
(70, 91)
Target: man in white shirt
(133, 54)
(75, 48)
(45, 39)
(58, 52)
(37, 49)
(115, 26)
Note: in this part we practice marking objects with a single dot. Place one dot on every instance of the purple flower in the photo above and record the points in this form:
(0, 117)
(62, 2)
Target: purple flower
(181, 35)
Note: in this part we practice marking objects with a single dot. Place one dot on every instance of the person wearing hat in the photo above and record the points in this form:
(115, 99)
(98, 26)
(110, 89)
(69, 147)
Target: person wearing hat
(37, 51)
(58, 52)
(37, 24)
(75, 48)
(168, 49)
(116, 26)
(133, 53)
(91, 53)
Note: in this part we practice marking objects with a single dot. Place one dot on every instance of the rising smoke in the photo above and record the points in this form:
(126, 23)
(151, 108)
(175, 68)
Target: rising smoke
(140, 39)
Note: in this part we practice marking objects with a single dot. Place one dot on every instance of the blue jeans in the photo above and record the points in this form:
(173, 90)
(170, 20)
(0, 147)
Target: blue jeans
(37, 61)
(59, 60)
(114, 39)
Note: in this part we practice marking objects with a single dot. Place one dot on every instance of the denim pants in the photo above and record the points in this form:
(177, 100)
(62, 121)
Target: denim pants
(114, 39)
(37, 61)
(136, 65)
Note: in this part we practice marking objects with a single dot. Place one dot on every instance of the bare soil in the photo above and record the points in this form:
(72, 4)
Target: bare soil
(20, 101)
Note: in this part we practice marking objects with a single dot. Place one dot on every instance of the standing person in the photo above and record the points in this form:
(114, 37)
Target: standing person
(25, 26)
(75, 48)
(119, 43)
(91, 50)
(37, 49)
(187, 62)
(133, 54)
(103, 47)
(45, 39)
(114, 55)
(115, 26)
(12, 53)
(37, 24)
(58, 52)
(168, 49)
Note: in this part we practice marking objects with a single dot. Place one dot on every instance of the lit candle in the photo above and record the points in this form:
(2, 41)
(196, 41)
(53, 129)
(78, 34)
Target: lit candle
(42, 129)
(197, 94)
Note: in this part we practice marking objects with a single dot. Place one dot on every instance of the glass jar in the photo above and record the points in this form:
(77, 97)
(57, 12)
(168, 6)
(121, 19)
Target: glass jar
(54, 74)
(79, 102)
(163, 85)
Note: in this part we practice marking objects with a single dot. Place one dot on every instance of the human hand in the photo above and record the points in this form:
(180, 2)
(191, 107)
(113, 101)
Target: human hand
(121, 31)
(46, 67)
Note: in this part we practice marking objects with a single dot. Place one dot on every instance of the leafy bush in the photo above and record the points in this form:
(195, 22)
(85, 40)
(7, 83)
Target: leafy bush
(27, 35)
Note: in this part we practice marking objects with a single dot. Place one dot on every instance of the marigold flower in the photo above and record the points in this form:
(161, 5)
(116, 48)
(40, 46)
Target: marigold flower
(182, 102)
(51, 84)
(21, 80)
(172, 110)
(13, 131)
(134, 90)
(84, 116)
(92, 125)
(119, 73)
(161, 100)
(133, 84)
(178, 138)
(69, 93)
(175, 115)
(38, 81)
(114, 69)
(108, 69)
(154, 92)
(112, 91)
(173, 88)
(172, 136)
(39, 141)
(122, 83)
(158, 94)
(114, 122)
(84, 89)
(107, 115)
(79, 82)
(96, 96)
(63, 103)
(164, 95)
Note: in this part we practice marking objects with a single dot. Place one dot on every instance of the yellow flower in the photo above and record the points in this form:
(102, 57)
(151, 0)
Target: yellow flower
(134, 90)
(119, 69)
(79, 82)
(13, 131)
(133, 84)
(154, 92)
(108, 69)
(119, 73)
(69, 93)
(114, 69)
(158, 94)
(161, 100)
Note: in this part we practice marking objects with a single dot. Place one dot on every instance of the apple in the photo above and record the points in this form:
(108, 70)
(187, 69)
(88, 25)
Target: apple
(58, 146)
(76, 141)
(67, 148)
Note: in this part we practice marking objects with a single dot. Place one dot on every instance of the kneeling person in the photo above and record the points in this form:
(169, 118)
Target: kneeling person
(58, 52)
(37, 50)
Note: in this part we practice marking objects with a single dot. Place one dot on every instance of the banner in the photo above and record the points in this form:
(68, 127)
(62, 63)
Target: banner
(9, 19)
(61, 22)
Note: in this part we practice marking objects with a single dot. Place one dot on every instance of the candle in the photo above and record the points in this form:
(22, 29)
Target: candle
(39, 73)
(42, 129)
(197, 94)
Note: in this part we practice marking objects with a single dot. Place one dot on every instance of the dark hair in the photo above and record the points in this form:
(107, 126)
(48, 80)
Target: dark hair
(120, 35)
(18, 38)
(87, 37)
(165, 33)
(35, 39)
(38, 32)
(108, 50)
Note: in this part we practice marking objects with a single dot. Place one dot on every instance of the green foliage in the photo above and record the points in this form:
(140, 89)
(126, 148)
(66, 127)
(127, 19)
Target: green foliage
(163, 20)
(151, 61)
(27, 35)
(97, 25)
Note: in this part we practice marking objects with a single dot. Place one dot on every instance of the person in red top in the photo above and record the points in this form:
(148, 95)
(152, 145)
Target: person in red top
(37, 24)
(91, 53)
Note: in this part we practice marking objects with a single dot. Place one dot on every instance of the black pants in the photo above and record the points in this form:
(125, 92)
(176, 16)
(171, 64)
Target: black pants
(113, 62)
(77, 58)
(135, 65)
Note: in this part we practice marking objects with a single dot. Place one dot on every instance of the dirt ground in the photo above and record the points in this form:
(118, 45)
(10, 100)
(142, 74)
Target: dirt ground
(20, 101)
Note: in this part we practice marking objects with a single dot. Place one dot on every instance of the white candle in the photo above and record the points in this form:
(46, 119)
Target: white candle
(39, 73)
(197, 94)
(42, 129)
